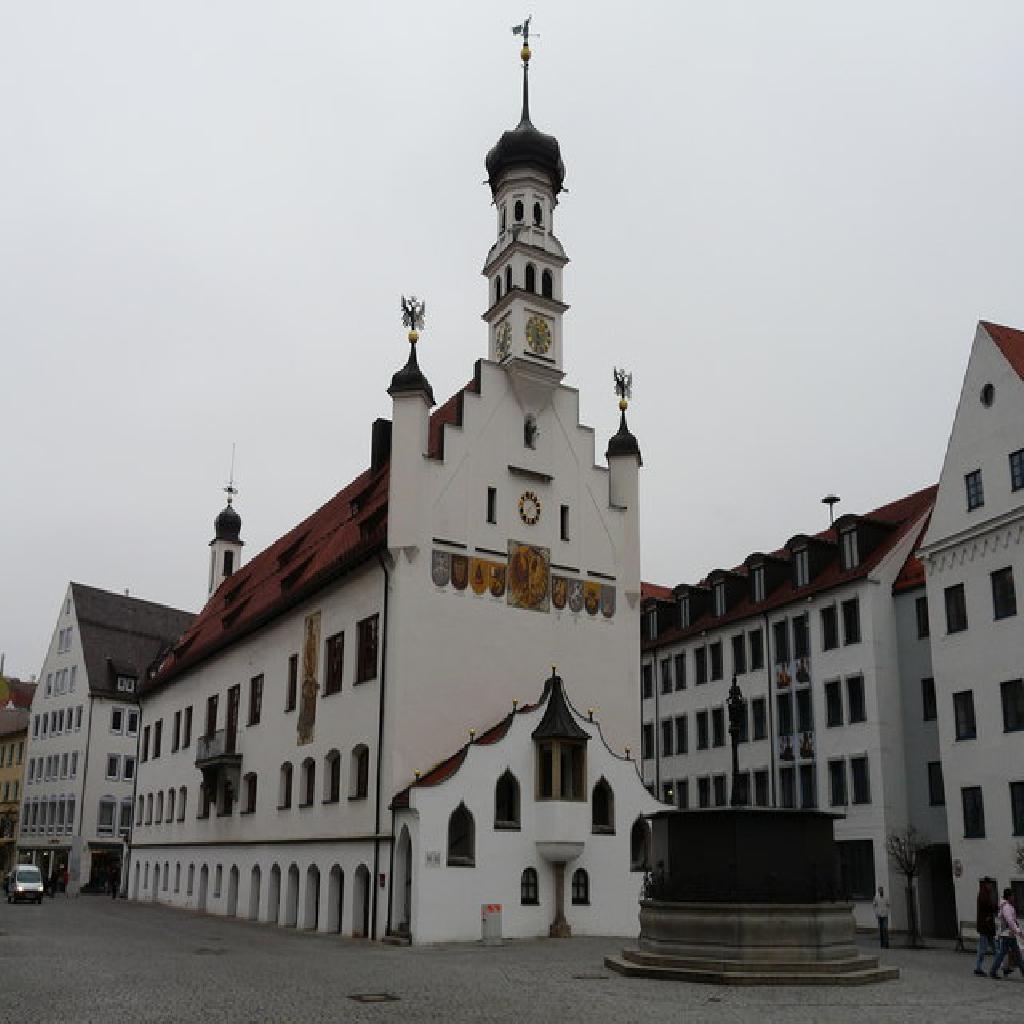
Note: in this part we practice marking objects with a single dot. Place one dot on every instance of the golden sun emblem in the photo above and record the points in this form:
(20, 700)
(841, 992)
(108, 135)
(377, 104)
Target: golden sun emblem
(529, 508)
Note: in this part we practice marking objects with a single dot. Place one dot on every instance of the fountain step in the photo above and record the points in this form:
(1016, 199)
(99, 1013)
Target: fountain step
(770, 966)
(857, 971)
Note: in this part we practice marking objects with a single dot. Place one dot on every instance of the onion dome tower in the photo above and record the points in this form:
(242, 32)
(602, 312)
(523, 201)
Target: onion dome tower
(524, 266)
(226, 546)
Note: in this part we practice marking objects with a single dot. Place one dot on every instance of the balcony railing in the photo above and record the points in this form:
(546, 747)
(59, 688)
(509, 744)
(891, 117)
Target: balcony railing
(218, 746)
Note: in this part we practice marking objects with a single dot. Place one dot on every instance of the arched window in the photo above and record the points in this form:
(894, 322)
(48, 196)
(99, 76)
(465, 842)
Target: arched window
(182, 800)
(332, 777)
(249, 793)
(538, 215)
(497, 289)
(308, 782)
(528, 887)
(602, 808)
(359, 780)
(170, 805)
(638, 853)
(284, 797)
(504, 210)
(508, 278)
(461, 838)
(547, 285)
(506, 801)
(531, 277)
(518, 209)
(580, 887)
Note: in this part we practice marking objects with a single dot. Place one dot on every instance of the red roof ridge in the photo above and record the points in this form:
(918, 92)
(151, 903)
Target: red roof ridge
(1010, 342)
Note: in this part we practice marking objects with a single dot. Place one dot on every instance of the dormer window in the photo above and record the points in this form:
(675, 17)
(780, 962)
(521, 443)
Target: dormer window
(801, 567)
(759, 584)
(652, 624)
(684, 612)
(561, 770)
(126, 684)
(719, 598)
(850, 556)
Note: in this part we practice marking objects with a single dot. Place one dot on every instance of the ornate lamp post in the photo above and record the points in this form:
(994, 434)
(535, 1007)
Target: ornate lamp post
(737, 715)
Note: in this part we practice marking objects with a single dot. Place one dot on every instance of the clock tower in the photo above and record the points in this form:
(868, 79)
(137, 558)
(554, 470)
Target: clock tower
(524, 265)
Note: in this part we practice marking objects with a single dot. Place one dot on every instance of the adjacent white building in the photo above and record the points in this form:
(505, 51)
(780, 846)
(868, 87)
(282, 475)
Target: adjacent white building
(825, 641)
(972, 555)
(294, 743)
(83, 732)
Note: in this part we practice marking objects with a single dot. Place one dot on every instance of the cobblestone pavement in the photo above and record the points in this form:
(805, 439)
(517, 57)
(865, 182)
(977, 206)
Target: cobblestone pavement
(94, 959)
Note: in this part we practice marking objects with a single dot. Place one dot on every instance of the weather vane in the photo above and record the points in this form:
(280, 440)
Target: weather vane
(523, 30)
(231, 490)
(414, 313)
(623, 380)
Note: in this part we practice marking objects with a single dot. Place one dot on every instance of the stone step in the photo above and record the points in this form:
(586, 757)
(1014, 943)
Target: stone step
(774, 966)
(751, 974)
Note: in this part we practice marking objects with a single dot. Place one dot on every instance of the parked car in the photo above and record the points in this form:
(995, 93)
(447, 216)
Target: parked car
(25, 883)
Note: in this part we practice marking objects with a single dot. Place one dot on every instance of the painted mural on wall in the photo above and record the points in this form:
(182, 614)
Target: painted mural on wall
(529, 576)
(309, 685)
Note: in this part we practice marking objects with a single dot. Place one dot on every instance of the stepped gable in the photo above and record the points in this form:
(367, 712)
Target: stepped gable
(1010, 342)
(341, 535)
(123, 635)
(898, 517)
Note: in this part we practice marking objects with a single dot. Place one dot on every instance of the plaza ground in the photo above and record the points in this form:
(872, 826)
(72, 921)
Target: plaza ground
(94, 959)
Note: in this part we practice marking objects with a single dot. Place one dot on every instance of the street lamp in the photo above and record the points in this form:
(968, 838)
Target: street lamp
(737, 707)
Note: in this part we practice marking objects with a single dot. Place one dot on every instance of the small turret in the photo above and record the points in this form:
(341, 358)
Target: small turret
(226, 546)
(624, 462)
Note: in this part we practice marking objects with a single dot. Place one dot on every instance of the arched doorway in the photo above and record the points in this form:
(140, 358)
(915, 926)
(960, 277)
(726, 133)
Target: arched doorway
(232, 910)
(291, 898)
(156, 880)
(361, 903)
(204, 885)
(254, 893)
(335, 898)
(402, 893)
(311, 904)
(274, 896)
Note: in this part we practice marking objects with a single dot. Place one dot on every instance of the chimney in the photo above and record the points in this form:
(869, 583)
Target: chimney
(380, 443)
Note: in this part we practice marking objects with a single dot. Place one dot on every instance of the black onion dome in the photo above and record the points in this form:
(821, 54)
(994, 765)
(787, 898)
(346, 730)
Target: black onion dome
(228, 525)
(525, 146)
(409, 379)
(623, 442)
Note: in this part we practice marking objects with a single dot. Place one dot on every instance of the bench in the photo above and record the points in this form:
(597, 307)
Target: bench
(968, 934)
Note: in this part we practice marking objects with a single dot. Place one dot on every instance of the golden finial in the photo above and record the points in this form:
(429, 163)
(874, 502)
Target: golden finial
(590, 714)
(524, 31)
(417, 773)
(472, 735)
(515, 704)
(623, 404)
(525, 53)
(628, 758)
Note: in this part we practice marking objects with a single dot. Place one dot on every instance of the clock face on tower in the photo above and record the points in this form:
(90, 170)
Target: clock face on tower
(503, 340)
(538, 335)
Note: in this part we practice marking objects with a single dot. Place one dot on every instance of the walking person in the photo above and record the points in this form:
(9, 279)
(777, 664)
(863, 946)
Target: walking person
(985, 923)
(1009, 932)
(881, 907)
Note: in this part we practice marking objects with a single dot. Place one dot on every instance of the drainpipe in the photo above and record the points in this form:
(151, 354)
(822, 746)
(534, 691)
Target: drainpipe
(380, 743)
(85, 780)
(126, 867)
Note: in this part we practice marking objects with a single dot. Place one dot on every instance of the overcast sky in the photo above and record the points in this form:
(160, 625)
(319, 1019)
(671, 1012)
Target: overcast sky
(785, 218)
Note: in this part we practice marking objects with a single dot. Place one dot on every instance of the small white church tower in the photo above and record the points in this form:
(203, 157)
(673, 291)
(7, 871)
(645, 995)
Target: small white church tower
(226, 546)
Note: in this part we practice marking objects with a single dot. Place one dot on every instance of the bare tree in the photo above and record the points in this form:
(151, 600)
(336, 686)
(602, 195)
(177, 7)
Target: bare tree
(905, 849)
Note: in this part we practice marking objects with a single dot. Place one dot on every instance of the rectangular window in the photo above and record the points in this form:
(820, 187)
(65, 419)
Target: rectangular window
(680, 664)
(71, 681)
(808, 788)
(963, 715)
(667, 795)
(1017, 807)
(856, 868)
(1004, 596)
(716, 660)
(851, 621)
(186, 737)
(158, 730)
(563, 522)
(739, 655)
(64, 766)
(704, 792)
(718, 727)
(335, 660)
(647, 741)
(921, 610)
(682, 735)
(758, 584)
(113, 762)
(787, 787)
(801, 637)
(780, 637)
(829, 628)
(756, 650)
(975, 490)
(855, 699)
(74, 763)
(837, 783)
(702, 730)
(255, 700)
(802, 567)
(1017, 469)
(929, 711)
(804, 715)
(666, 675)
(492, 504)
(759, 710)
(974, 812)
(129, 767)
(784, 708)
(652, 623)
(683, 794)
(367, 658)
(291, 696)
(700, 660)
(105, 820)
(684, 612)
(145, 743)
(1013, 705)
(850, 555)
(936, 787)
(176, 732)
(956, 609)
(761, 797)
(719, 592)
(833, 704)
(646, 681)
(721, 796)
(117, 720)
(861, 776)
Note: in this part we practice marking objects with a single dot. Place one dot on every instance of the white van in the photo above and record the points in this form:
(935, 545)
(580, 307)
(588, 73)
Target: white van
(25, 883)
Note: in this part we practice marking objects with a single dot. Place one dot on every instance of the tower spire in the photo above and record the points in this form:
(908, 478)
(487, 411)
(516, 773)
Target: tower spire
(231, 490)
(524, 31)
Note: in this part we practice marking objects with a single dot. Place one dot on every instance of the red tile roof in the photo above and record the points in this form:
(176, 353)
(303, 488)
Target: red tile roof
(911, 576)
(655, 590)
(1010, 342)
(899, 516)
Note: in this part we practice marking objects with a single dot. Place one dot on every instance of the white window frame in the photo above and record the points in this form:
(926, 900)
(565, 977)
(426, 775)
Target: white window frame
(758, 584)
(850, 553)
(116, 760)
(117, 730)
(128, 767)
(131, 730)
(110, 802)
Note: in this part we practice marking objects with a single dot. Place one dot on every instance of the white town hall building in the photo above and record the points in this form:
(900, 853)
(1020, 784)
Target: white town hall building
(362, 731)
